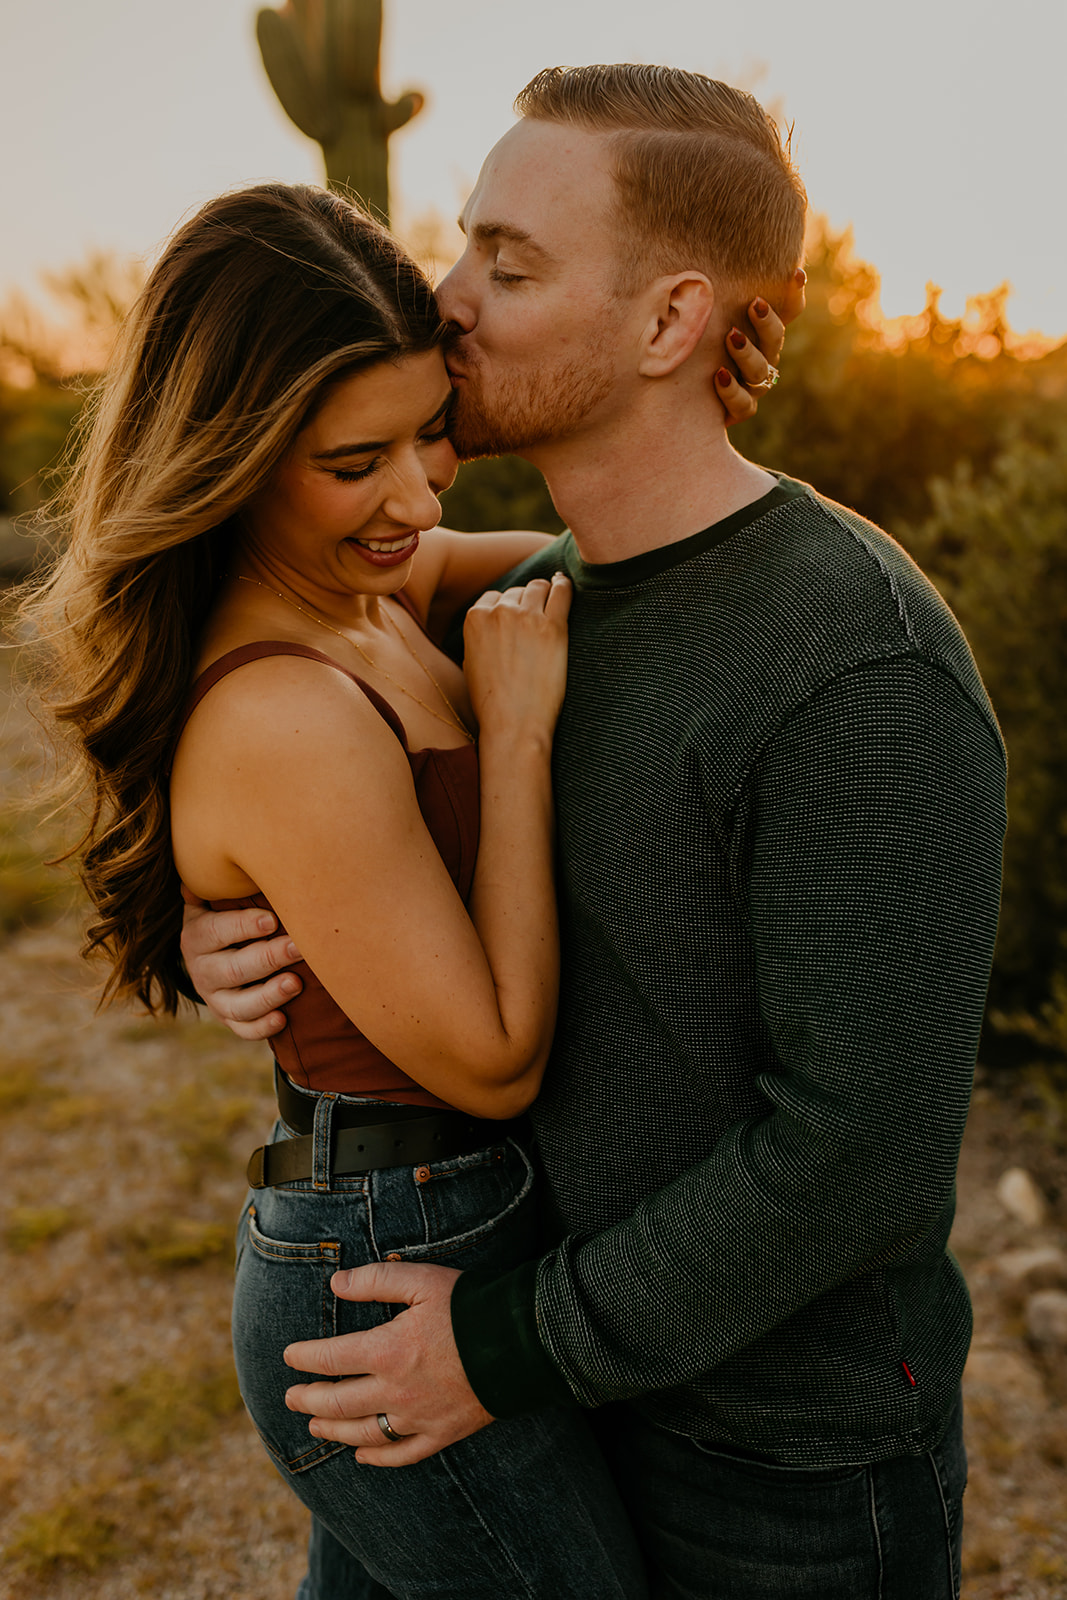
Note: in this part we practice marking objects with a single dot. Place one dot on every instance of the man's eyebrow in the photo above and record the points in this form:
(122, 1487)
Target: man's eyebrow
(491, 232)
(380, 444)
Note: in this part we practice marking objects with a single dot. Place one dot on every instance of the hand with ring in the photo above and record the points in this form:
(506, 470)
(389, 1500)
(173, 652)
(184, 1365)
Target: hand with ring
(757, 372)
(406, 1371)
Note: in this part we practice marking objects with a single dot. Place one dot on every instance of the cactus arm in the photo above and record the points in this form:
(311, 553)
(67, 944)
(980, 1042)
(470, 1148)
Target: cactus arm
(290, 79)
(401, 111)
(359, 36)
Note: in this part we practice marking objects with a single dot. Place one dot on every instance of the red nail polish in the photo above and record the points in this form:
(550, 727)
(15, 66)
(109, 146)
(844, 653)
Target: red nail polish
(737, 339)
(723, 377)
(760, 307)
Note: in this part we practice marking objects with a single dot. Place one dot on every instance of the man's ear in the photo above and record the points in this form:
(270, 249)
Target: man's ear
(679, 311)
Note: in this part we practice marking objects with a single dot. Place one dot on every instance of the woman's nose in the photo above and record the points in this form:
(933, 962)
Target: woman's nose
(411, 500)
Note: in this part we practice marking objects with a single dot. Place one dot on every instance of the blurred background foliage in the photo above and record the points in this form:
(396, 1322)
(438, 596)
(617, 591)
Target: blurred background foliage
(952, 434)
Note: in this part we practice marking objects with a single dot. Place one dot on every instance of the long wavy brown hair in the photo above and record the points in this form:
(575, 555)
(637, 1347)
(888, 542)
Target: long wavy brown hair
(260, 303)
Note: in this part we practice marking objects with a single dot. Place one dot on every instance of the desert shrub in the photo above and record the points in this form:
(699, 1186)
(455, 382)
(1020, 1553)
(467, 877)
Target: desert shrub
(871, 416)
(20, 1083)
(169, 1242)
(170, 1409)
(503, 493)
(76, 1533)
(996, 545)
(31, 889)
(28, 1226)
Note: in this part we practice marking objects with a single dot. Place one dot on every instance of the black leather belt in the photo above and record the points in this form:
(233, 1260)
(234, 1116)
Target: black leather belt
(368, 1137)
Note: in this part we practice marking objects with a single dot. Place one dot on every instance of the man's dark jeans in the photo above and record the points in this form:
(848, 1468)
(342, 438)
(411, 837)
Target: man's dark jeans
(716, 1526)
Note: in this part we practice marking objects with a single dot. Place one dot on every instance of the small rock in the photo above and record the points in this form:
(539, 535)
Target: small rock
(1042, 1268)
(1021, 1197)
(1046, 1317)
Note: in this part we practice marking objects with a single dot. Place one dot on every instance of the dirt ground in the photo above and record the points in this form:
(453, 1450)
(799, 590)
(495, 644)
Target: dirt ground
(127, 1467)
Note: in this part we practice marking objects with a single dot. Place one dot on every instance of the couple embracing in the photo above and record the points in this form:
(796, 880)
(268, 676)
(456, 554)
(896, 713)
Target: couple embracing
(698, 1335)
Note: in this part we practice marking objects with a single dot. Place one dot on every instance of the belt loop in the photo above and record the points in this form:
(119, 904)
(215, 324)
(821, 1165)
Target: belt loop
(322, 1141)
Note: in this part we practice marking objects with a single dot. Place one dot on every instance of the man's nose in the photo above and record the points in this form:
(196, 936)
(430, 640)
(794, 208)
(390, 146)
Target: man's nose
(454, 299)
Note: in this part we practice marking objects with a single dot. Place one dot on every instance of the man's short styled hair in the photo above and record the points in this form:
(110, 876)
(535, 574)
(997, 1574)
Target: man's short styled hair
(703, 179)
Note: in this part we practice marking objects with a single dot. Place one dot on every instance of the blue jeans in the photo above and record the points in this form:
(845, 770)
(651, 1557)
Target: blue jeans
(524, 1509)
(715, 1525)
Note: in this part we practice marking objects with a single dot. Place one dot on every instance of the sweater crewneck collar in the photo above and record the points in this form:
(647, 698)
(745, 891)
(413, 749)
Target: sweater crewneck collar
(650, 563)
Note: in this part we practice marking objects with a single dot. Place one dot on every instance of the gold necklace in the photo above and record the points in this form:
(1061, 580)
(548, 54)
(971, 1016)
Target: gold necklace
(454, 721)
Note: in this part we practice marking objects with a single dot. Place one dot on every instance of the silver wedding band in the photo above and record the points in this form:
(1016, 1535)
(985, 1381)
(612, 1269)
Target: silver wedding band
(388, 1429)
(769, 381)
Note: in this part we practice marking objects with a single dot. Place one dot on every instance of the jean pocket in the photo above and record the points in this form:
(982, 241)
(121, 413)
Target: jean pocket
(475, 1210)
(769, 1472)
(282, 1293)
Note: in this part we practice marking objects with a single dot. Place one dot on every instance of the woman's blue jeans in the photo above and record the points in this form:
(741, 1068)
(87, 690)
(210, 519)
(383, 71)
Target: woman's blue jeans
(522, 1510)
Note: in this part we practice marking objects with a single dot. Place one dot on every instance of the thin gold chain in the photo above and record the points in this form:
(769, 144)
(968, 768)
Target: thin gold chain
(454, 721)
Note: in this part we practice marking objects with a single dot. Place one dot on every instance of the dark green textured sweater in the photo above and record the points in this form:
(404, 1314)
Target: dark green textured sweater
(780, 789)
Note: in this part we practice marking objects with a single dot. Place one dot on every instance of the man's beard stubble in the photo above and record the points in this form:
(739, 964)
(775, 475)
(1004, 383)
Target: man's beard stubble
(528, 410)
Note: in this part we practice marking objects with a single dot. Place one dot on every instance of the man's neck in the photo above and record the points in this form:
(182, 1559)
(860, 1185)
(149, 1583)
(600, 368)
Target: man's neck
(644, 487)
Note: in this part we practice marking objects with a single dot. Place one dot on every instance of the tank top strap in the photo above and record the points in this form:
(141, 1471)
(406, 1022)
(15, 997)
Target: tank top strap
(282, 647)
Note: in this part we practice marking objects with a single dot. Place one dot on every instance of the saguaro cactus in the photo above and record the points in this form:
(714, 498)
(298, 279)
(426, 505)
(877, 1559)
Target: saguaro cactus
(321, 57)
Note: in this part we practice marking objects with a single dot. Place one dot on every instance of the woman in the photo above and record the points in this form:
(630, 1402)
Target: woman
(259, 710)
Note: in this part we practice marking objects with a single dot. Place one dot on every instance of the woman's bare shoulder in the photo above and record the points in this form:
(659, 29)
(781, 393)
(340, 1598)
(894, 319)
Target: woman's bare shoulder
(282, 707)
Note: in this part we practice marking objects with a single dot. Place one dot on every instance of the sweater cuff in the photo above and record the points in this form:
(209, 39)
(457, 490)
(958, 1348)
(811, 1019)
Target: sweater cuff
(494, 1323)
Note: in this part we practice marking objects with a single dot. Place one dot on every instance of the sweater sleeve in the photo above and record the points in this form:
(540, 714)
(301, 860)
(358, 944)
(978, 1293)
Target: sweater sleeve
(873, 825)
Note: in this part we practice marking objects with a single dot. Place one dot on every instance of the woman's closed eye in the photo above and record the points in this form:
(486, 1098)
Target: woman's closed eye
(354, 474)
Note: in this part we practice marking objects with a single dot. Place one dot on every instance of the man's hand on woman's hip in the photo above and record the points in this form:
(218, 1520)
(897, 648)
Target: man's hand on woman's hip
(404, 1376)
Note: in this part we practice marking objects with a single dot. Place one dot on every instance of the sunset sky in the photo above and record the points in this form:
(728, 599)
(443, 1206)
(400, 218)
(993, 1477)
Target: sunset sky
(934, 127)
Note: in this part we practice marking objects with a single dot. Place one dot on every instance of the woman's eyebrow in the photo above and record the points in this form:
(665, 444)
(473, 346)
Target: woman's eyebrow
(380, 444)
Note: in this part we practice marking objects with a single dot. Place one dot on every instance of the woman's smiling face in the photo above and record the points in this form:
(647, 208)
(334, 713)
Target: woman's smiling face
(344, 509)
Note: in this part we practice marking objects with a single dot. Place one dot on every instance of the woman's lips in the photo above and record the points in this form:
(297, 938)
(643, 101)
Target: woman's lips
(389, 552)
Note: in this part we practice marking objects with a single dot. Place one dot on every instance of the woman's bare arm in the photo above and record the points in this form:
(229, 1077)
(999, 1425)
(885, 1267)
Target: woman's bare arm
(465, 1003)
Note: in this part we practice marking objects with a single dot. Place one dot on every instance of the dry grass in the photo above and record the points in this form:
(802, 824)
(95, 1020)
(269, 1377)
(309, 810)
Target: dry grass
(129, 1467)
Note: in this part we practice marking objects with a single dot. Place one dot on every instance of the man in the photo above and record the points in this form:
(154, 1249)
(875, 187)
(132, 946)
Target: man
(780, 790)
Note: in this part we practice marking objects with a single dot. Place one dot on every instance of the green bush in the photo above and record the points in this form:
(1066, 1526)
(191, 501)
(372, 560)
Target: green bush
(503, 493)
(996, 545)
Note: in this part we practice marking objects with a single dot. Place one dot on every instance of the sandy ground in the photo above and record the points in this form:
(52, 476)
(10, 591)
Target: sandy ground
(127, 1467)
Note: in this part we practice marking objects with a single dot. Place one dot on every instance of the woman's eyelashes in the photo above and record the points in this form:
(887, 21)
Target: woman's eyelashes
(355, 474)
(439, 434)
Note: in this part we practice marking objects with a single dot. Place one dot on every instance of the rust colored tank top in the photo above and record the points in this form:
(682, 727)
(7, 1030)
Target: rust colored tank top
(320, 1047)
